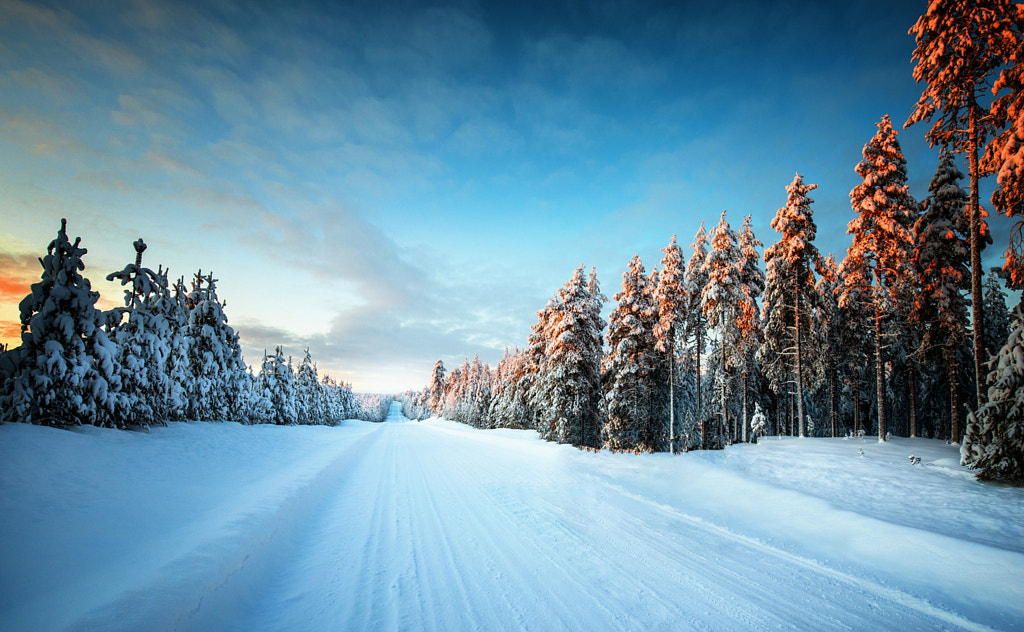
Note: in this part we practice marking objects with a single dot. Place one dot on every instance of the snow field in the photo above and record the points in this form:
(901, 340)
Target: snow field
(438, 526)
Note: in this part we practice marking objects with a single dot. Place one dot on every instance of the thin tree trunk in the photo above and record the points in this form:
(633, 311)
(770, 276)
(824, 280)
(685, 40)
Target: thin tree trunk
(725, 419)
(879, 375)
(833, 398)
(856, 405)
(745, 407)
(799, 370)
(671, 401)
(977, 317)
(954, 394)
(912, 387)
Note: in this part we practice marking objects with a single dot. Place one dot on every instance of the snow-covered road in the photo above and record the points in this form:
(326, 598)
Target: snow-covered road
(435, 526)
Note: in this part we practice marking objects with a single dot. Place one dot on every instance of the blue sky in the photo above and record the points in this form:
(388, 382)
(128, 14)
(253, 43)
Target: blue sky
(391, 183)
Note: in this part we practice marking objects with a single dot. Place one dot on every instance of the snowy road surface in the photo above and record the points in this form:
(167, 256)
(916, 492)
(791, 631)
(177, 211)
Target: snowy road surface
(435, 526)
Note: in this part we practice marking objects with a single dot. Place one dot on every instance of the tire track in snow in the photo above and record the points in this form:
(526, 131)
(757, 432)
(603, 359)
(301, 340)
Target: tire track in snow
(437, 528)
(839, 577)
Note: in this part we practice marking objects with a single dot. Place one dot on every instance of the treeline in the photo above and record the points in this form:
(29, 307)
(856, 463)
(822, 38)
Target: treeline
(722, 348)
(167, 355)
(879, 342)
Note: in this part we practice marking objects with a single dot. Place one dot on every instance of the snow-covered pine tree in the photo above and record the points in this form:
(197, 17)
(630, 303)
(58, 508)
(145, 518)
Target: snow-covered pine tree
(570, 386)
(997, 316)
(749, 324)
(758, 423)
(672, 302)
(144, 338)
(259, 409)
(942, 257)
(1005, 154)
(67, 371)
(961, 44)
(828, 321)
(723, 300)
(214, 355)
(696, 323)
(629, 364)
(277, 385)
(790, 296)
(309, 396)
(994, 444)
(879, 262)
(437, 383)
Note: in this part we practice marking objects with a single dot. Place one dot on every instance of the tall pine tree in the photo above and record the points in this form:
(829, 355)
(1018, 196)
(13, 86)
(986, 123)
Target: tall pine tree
(878, 264)
(68, 372)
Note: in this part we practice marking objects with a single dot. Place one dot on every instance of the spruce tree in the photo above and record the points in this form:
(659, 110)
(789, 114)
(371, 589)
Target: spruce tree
(144, 338)
(628, 365)
(997, 317)
(994, 444)
(790, 295)
(309, 397)
(214, 355)
(672, 302)
(68, 372)
(696, 323)
(437, 382)
(749, 323)
(942, 257)
(829, 323)
(723, 300)
(879, 262)
(277, 385)
(571, 383)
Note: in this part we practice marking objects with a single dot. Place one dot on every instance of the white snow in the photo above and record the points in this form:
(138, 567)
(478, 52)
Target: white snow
(438, 526)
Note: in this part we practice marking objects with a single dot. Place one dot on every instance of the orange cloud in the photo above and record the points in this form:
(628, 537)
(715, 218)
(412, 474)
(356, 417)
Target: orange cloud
(17, 274)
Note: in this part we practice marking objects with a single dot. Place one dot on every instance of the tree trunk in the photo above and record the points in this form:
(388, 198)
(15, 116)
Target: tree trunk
(700, 412)
(954, 394)
(879, 375)
(856, 405)
(671, 401)
(912, 387)
(799, 370)
(745, 424)
(833, 400)
(977, 317)
(725, 419)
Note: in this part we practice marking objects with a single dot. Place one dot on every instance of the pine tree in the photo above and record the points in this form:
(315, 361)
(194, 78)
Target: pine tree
(723, 300)
(144, 338)
(749, 323)
(696, 323)
(68, 372)
(829, 323)
(672, 302)
(942, 257)
(997, 317)
(277, 384)
(878, 263)
(960, 46)
(789, 295)
(214, 355)
(571, 383)
(994, 444)
(437, 382)
(309, 397)
(1004, 155)
(628, 365)
(759, 422)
